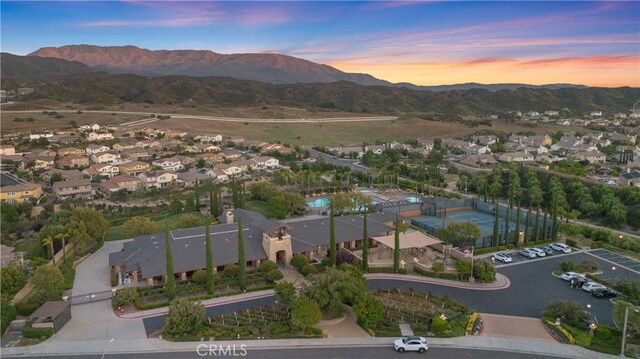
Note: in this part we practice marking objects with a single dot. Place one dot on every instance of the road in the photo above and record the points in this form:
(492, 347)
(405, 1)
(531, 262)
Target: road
(350, 163)
(228, 119)
(324, 353)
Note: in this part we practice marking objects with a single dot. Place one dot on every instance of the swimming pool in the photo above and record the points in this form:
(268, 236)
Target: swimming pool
(318, 202)
(366, 191)
(413, 199)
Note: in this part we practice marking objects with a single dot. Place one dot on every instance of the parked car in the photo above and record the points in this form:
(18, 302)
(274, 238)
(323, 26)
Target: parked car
(527, 253)
(539, 252)
(561, 247)
(590, 286)
(603, 293)
(502, 257)
(547, 249)
(570, 275)
(414, 344)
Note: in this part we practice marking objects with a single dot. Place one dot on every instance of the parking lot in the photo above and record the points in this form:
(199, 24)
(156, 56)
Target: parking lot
(533, 286)
(517, 258)
(617, 259)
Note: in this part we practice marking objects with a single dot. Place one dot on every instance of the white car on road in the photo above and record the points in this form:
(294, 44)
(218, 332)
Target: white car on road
(502, 257)
(411, 344)
(527, 253)
(590, 286)
(561, 247)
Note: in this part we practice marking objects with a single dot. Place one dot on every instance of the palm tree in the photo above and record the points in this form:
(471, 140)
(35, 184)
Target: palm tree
(63, 236)
(48, 241)
(482, 185)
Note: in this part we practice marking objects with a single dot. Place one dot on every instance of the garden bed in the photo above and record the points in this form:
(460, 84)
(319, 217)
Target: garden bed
(427, 314)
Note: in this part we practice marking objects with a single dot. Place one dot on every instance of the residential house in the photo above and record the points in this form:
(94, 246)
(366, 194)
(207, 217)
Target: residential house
(376, 149)
(137, 154)
(229, 170)
(533, 114)
(517, 138)
(452, 143)
(43, 162)
(232, 155)
(267, 162)
(100, 136)
(356, 151)
(620, 137)
(537, 150)
(21, 192)
(552, 113)
(66, 175)
(603, 143)
(234, 140)
(518, 157)
(71, 151)
(101, 170)
(65, 139)
(92, 149)
(630, 178)
(37, 136)
(147, 143)
(170, 163)
(596, 114)
(275, 147)
(73, 189)
(94, 128)
(482, 160)
(485, 140)
(208, 138)
(119, 184)
(218, 174)
(563, 123)
(73, 161)
(125, 145)
(130, 183)
(133, 168)
(474, 149)
(514, 146)
(191, 178)
(590, 156)
(7, 150)
(108, 157)
(540, 140)
(211, 158)
(157, 179)
(203, 147)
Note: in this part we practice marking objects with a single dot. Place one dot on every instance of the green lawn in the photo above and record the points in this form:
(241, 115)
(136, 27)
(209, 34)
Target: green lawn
(260, 207)
(31, 248)
(115, 233)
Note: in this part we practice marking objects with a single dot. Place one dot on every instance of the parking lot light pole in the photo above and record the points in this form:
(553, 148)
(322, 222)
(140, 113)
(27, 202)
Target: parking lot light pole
(624, 328)
(105, 348)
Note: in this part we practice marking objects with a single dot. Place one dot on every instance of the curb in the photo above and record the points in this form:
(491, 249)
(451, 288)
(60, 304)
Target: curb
(446, 283)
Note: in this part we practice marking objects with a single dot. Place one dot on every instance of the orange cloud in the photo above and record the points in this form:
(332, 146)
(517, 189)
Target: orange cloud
(607, 71)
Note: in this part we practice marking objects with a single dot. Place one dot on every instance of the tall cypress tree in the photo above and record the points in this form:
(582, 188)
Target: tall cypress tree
(210, 283)
(365, 244)
(396, 246)
(197, 195)
(545, 230)
(219, 204)
(496, 226)
(170, 285)
(332, 237)
(242, 261)
(211, 204)
(518, 222)
(527, 225)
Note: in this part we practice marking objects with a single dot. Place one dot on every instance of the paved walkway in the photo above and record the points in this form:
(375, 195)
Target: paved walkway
(501, 282)
(518, 327)
(346, 327)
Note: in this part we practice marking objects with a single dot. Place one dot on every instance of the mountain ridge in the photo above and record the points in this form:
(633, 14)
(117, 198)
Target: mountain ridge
(263, 67)
(101, 88)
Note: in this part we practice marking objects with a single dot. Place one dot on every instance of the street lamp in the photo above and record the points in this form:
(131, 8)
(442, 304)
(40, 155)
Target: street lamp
(105, 348)
(624, 328)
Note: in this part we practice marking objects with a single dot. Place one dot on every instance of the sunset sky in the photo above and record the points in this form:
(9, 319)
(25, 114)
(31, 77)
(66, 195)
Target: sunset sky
(422, 42)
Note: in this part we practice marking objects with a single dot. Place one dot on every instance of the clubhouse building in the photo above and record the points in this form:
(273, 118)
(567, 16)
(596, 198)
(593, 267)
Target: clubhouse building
(143, 258)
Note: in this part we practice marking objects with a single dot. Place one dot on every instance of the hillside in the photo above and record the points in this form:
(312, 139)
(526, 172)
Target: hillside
(17, 69)
(101, 88)
(271, 68)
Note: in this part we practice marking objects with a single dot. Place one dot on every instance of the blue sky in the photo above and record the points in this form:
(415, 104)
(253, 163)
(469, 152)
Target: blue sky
(424, 42)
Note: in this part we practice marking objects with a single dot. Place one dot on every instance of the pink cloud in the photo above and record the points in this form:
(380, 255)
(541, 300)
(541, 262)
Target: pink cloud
(175, 22)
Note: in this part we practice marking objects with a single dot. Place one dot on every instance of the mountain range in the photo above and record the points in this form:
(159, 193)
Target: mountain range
(73, 82)
(263, 67)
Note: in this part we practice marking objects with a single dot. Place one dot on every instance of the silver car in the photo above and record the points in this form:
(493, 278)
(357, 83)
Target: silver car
(502, 257)
(529, 254)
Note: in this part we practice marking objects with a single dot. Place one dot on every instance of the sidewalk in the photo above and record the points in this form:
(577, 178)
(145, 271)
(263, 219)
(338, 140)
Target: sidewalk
(207, 303)
(501, 282)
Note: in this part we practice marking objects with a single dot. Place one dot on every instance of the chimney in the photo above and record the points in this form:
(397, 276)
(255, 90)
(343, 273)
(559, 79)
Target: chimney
(229, 216)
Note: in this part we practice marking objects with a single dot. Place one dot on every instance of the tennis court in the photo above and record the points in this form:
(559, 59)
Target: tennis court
(433, 224)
